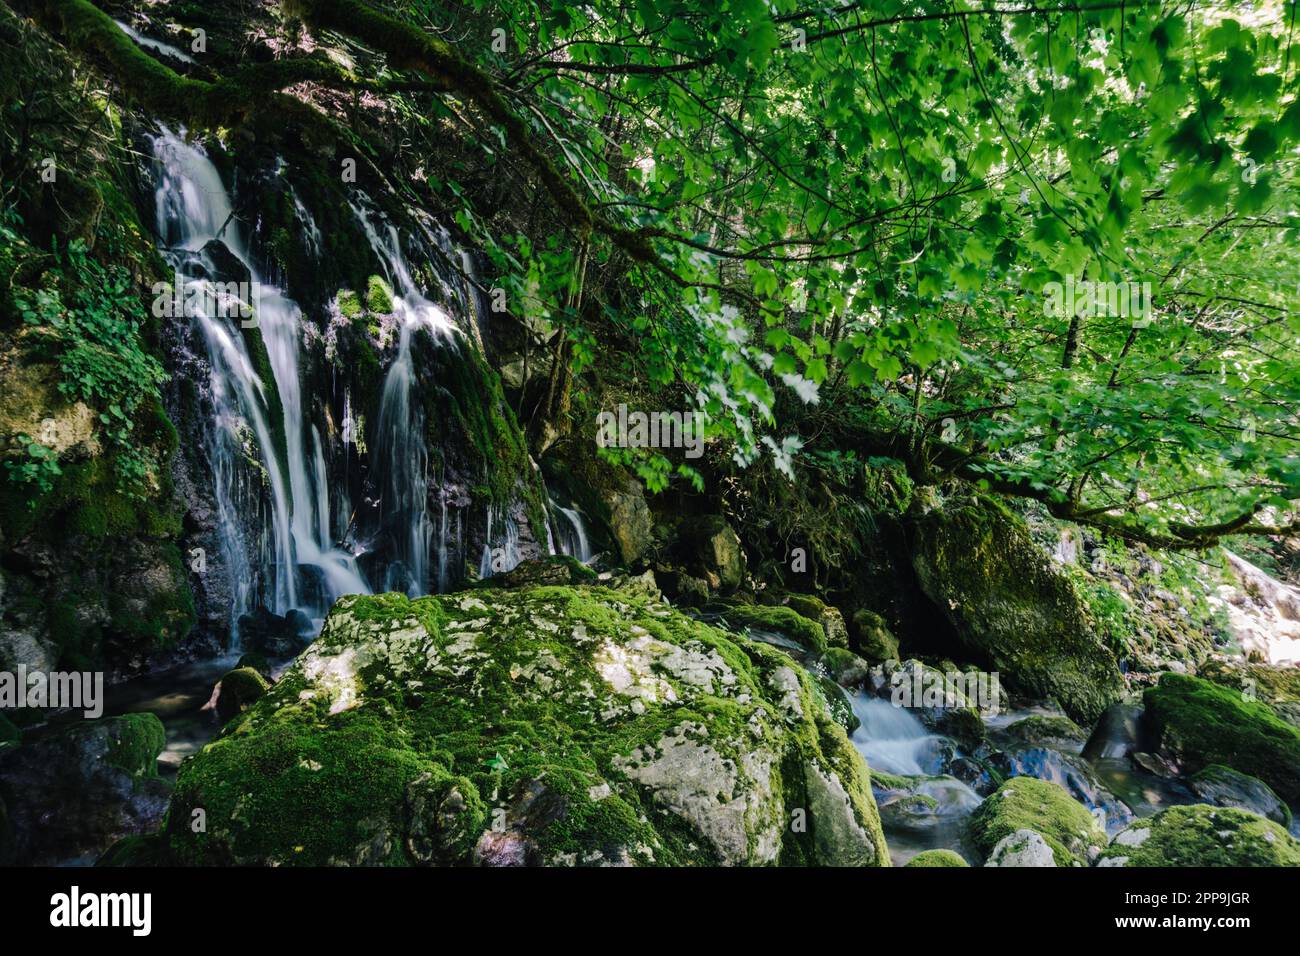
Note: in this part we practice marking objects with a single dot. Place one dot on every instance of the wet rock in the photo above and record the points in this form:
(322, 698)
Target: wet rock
(1224, 787)
(72, 791)
(1116, 734)
(273, 635)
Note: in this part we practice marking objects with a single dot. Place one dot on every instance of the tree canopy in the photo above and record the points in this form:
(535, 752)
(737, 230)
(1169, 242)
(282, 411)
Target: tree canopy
(1047, 247)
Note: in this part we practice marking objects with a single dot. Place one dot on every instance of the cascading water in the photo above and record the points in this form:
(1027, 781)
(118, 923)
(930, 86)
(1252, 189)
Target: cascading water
(404, 503)
(266, 551)
(570, 532)
(893, 740)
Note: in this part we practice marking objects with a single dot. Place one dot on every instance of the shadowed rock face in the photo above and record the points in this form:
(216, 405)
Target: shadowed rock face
(1012, 608)
(544, 725)
(76, 790)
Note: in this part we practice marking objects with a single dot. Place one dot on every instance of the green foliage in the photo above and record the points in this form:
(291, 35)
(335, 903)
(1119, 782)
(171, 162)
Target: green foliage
(88, 318)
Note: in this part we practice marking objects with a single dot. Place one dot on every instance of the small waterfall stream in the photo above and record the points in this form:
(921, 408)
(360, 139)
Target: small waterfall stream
(569, 532)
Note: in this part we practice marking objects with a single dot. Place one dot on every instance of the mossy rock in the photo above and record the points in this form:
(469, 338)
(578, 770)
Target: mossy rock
(1042, 731)
(1026, 803)
(547, 725)
(1275, 685)
(829, 617)
(134, 742)
(1203, 836)
(79, 788)
(1011, 606)
(780, 620)
(140, 850)
(1224, 787)
(240, 689)
(876, 642)
(937, 858)
(846, 668)
(1199, 723)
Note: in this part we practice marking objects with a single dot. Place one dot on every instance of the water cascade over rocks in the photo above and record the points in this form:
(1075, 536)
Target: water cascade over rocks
(309, 500)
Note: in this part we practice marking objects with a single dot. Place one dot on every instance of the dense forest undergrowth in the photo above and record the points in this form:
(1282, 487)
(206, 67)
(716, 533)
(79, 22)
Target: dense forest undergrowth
(655, 433)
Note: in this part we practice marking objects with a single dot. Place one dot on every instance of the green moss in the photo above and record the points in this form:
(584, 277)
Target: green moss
(1199, 835)
(1200, 723)
(1026, 803)
(379, 296)
(1039, 730)
(1009, 604)
(781, 619)
(414, 731)
(937, 858)
(240, 689)
(349, 304)
(135, 741)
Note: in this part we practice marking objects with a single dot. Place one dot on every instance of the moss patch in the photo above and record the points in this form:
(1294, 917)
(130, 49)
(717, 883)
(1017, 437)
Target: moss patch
(1200, 723)
(937, 858)
(1026, 803)
(1203, 836)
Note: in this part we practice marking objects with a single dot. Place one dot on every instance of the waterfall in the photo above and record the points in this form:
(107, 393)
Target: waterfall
(263, 552)
(505, 555)
(401, 441)
(570, 532)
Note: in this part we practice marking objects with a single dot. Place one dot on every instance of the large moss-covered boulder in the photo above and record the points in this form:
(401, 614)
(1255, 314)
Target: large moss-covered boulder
(545, 725)
(1025, 803)
(1198, 723)
(1203, 836)
(1011, 606)
(76, 790)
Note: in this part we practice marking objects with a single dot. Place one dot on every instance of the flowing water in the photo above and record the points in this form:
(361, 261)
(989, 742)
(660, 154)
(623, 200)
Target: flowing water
(569, 533)
(272, 498)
